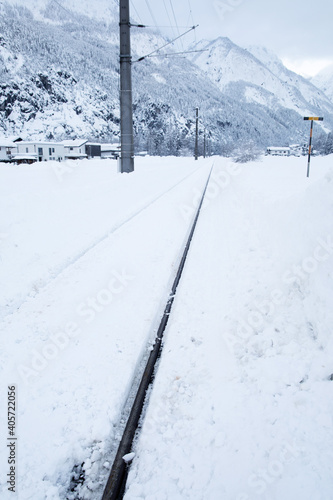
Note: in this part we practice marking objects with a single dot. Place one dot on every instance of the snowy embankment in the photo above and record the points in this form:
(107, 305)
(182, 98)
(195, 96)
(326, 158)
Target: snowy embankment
(242, 405)
(87, 258)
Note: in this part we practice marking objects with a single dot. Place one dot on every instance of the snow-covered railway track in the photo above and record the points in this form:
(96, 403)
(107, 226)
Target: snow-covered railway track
(115, 486)
(71, 261)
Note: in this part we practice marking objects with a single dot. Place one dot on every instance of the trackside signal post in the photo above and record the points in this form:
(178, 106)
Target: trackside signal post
(311, 118)
(126, 111)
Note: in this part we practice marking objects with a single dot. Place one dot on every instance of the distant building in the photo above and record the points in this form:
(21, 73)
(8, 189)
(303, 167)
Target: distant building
(75, 150)
(278, 151)
(93, 150)
(110, 150)
(21, 159)
(299, 149)
(40, 151)
(19, 151)
(7, 150)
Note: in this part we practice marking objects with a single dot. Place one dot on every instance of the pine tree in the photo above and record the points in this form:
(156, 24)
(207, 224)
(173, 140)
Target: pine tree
(329, 144)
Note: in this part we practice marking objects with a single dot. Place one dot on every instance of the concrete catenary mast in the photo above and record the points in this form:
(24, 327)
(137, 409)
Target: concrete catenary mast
(126, 110)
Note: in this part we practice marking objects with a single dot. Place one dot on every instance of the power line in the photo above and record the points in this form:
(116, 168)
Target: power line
(136, 12)
(174, 16)
(168, 43)
(190, 19)
(166, 10)
(159, 26)
(172, 54)
(64, 8)
(151, 13)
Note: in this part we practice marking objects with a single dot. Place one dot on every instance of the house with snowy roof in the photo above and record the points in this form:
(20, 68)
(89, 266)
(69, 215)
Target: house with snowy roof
(39, 151)
(110, 150)
(278, 151)
(75, 149)
(7, 149)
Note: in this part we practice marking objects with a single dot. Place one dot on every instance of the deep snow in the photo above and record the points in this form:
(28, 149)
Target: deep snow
(242, 403)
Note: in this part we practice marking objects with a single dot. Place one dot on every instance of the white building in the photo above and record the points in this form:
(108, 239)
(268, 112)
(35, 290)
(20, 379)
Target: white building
(40, 151)
(110, 150)
(7, 149)
(32, 151)
(75, 149)
(278, 151)
(299, 149)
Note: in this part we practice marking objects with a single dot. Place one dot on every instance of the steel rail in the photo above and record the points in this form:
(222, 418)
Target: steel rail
(115, 486)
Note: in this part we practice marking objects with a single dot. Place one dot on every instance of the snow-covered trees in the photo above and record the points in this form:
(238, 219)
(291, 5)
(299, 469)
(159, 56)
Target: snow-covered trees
(329, 144)
(60, 79)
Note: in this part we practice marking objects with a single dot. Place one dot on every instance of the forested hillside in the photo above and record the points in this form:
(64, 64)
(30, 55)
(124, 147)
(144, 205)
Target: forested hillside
(59, 78)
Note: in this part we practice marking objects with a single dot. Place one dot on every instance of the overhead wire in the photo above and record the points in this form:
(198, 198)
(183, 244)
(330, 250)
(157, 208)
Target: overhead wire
(64, 8)
(167, 12)
(159, 26)
(151, 13)
(172, 54)
(166, 26)
(165, 45)
(136, 12)
(190, 16)
(175, 18)
(180, 35)
(190, 19)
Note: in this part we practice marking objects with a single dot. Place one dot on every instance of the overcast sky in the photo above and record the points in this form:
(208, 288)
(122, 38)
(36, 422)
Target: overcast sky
(298, 31)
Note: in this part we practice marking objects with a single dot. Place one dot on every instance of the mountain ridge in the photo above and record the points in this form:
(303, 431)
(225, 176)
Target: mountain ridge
(292, 90)
(324, 81)
(59, 79)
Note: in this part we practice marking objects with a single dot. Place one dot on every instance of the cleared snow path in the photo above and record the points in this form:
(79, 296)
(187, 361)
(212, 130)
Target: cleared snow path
(73, 348)
(242, 404)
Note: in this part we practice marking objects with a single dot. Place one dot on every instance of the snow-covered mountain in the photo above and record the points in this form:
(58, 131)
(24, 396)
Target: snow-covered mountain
(260, 77)
(324, 81)
(102, 10)
(59, 78)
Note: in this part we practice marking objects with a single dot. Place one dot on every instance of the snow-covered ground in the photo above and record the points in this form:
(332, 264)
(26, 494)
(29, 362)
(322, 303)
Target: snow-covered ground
(242, 404)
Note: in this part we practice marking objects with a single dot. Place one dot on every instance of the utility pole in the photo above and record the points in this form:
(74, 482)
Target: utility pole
(204, 152)
(126, 111)
(311, 118)
(196, 133)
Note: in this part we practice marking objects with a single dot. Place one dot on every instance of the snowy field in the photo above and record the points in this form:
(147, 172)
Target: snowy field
(242, 404)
